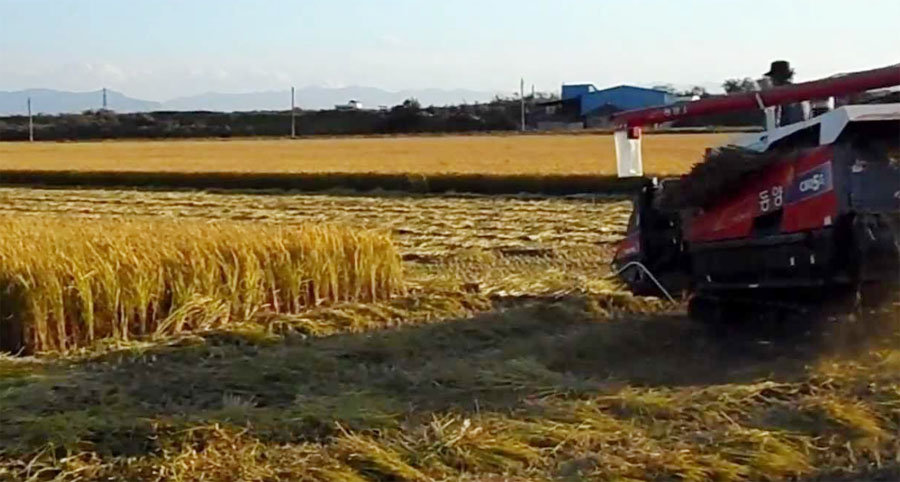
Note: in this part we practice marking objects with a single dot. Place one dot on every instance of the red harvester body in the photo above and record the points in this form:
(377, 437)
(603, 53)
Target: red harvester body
(790, 217)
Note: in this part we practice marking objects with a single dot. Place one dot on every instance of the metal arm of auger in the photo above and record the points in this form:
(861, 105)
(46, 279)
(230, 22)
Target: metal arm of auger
(832, 86)
(648, 273)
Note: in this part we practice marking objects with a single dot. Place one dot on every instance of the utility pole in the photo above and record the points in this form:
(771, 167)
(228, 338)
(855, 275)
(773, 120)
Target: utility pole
(30, 123)
(104, 98)
(293, 115)
(522, 100)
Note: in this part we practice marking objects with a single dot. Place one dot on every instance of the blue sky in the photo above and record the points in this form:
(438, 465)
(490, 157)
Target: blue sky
(167, 48)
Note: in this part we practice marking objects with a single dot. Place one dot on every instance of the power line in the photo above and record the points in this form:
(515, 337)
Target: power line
(293, 115)
(30, 123)
(522, 100)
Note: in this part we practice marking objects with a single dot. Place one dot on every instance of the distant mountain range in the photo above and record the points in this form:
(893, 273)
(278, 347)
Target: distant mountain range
(49, 101)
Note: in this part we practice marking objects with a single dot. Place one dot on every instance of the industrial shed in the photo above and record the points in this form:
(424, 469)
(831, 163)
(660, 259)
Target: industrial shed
(589, 106)
(621, 97)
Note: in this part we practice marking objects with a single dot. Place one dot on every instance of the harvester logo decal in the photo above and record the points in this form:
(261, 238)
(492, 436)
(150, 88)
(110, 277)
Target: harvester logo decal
(771, 199)
(813, 182)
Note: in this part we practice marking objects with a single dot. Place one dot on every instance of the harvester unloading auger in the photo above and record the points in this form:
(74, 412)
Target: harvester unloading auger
(778, 221)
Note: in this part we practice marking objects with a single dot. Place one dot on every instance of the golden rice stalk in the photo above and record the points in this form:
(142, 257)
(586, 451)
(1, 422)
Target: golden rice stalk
(69, 282)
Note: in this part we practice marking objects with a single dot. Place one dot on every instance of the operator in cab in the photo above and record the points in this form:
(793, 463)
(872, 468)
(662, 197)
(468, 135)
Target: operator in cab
(780, 74)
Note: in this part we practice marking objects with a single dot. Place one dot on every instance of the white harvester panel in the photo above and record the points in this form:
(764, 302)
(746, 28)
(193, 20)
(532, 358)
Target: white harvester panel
(628, 153)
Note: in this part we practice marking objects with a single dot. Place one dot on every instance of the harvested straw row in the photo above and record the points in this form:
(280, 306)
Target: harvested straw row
(550, 184)
(69, 282)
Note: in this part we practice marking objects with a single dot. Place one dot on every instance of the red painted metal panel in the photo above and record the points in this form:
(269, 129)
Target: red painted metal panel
(769, 191)
(813, 158)
(630, 246)
(812, 201)
(812, 213)
(734, 217)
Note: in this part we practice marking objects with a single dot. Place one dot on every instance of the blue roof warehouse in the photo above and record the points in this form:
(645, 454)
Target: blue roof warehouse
(587, 105)
(621, 97)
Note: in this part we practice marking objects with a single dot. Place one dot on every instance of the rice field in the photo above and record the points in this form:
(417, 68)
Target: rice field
(67, 283)
(424, 226)
(503, 353)
(529, 155)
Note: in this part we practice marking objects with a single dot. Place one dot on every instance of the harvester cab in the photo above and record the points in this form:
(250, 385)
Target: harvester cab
(793, 215)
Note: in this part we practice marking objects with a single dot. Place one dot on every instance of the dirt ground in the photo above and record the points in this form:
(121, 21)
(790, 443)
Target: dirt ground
(511, 358)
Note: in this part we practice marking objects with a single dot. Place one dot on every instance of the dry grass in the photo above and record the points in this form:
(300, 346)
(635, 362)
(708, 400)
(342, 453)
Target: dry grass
(68, 282)
(489, 155)
(422, 227)
(550, 390)
(509, 358)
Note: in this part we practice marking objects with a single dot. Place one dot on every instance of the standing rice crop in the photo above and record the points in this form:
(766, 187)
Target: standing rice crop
(69, 282)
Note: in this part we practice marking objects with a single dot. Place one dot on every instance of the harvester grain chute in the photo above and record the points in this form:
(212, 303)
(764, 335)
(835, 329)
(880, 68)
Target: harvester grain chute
(787, 218)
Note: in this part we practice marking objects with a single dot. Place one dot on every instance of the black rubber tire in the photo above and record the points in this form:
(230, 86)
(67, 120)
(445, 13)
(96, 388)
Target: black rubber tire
(722, 316)
(704, 310)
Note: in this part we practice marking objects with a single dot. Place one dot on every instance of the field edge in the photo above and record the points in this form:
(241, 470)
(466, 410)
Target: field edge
(560, 184)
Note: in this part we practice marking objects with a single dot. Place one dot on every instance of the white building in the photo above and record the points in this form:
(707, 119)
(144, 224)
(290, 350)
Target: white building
(352, 105)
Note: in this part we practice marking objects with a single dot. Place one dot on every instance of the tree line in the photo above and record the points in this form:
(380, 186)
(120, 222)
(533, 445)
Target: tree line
(500, 114)
(409, 117)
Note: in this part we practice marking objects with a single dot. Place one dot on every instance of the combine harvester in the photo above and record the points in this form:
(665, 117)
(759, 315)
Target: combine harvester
(779, 222)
